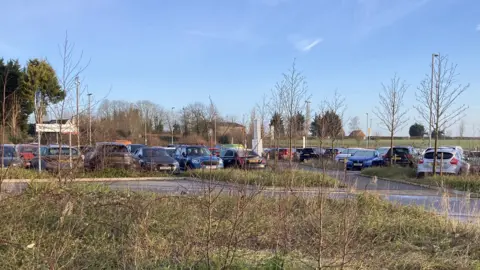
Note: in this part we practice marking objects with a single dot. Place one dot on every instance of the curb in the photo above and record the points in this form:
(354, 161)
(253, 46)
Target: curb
(449, 190)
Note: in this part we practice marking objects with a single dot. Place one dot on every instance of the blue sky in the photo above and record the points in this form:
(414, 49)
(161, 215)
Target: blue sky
(174, 52)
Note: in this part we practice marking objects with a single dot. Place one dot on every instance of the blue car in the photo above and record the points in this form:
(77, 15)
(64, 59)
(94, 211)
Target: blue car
(364, 159)
(197, 157)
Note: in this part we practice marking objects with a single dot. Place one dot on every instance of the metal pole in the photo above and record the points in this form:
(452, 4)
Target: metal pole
(69, 149)
(89, 120)
(146, 120)
(431, 102)
(215, 129)
(171, 124)
(368, 134)
(78, 112)
(39, 153)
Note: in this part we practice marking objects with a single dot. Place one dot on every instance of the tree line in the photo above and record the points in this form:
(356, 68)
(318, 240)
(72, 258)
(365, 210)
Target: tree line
(19, 84)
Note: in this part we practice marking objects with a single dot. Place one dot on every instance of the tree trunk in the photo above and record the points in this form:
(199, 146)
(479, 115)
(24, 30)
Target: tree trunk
(392, 153)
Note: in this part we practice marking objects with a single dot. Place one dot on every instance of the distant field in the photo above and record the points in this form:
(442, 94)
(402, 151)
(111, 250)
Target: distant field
(466, 144)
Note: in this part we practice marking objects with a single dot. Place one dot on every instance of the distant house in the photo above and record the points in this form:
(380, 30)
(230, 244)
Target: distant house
(357, 134)
(229, 127)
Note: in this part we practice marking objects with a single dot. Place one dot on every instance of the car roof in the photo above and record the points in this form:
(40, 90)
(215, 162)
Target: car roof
(110, 143)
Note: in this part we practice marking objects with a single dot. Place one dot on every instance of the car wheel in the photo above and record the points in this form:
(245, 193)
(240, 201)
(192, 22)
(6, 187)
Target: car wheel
(420, 175)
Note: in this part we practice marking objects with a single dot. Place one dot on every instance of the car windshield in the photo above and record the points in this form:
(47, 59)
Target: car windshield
(28, 149)
(308, 150)
(245, 153)
(430, 155)
(383, 151)
(170, 152)
(351, 151)
(115, 148)
(56, 150)
(364, 153)
(7, 151)
(198, 151)
(149, 152)
(135, 147)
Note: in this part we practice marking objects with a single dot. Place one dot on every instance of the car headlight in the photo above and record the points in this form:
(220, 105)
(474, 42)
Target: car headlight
(220, 161)
(195, 161)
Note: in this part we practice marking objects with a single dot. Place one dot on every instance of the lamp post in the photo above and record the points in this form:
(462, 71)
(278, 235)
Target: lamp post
(368, 133)
(431, 102)
(89, 120)
(171, 125)
(77, 81)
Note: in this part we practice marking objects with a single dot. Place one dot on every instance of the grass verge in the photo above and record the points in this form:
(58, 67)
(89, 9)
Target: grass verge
(91, 227)
(470, 183)
(278, 178)
(394, 172)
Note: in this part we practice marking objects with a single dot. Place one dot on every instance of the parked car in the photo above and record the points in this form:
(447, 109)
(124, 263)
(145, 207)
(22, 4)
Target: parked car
(333, 152)
(364, 159)
(382, 151)
(10, 156)
(132, 148)
(215, 151)
(310, 153)
(348, 152)
(197, 157)
(297, 153)
(156, 159)
(449, 161)
(284, 153)
(402, 155)
(244, 159)
(170, 150)
(55, 157)
(27, 152)
(109, 155)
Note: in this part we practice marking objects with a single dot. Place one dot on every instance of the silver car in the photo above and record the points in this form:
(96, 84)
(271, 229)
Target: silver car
(449, 161)
(346, 153)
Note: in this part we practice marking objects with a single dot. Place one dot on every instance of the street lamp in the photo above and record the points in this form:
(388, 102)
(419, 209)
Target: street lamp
(431, 102)
(89, 120)
(171, 125)
(368, 133)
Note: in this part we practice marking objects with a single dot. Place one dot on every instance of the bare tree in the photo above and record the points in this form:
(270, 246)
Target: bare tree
(262, 113)
(337, 108)
(291, 93)
(443, 98)
(354, 124)
(461, 129)
(390, 110)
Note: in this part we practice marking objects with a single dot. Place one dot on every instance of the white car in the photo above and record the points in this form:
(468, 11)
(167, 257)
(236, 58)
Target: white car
(346, 153)
(453, 162)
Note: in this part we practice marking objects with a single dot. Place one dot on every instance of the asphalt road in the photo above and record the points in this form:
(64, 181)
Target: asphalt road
(454, 206)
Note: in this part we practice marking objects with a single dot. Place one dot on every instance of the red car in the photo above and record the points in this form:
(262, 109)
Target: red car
(27, 152)
(284, 153)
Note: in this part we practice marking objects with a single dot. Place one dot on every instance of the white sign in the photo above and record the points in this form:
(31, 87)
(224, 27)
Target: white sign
(56, 128)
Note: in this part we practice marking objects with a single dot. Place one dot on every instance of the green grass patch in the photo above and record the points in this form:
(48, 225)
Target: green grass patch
(393, 172)
(278, 178)
(92, 227)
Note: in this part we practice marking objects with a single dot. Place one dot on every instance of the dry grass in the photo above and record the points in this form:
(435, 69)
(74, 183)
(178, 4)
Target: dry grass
(91, 227)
